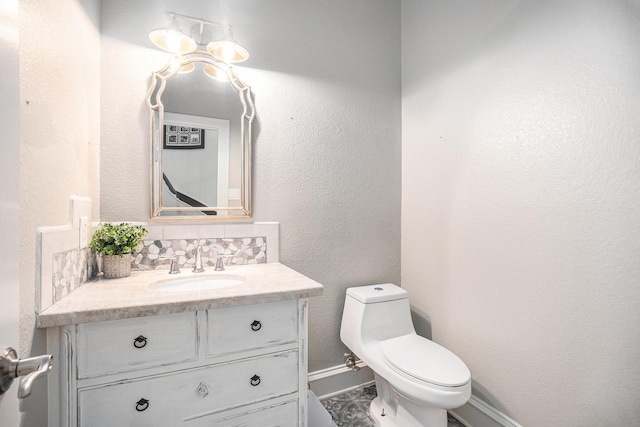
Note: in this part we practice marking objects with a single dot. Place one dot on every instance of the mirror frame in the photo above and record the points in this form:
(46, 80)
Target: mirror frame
(158, 84)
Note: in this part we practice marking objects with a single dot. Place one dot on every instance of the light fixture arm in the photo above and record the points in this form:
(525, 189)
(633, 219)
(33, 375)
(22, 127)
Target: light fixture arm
(202, 22)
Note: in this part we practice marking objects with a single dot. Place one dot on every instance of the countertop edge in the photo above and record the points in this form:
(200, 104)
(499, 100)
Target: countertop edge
(56, 317)
(45, 320)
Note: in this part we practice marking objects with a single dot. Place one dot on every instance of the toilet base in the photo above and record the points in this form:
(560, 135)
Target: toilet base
(376, 410)
(429, 417)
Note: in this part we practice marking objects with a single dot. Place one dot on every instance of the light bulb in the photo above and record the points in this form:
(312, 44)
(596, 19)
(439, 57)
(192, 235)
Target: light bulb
(173, 41)
(227, 51)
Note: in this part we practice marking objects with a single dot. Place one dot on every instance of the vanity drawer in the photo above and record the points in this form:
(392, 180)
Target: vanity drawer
(170, 399)
(247, 327)
(283, 415)
(131, 344)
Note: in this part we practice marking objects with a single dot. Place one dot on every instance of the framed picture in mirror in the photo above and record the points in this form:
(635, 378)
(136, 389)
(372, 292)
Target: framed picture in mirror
(182, 137)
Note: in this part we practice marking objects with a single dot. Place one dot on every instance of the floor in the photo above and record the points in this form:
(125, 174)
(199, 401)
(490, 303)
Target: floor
(352, 409)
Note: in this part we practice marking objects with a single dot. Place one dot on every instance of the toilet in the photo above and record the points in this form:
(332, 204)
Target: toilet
(417, 380)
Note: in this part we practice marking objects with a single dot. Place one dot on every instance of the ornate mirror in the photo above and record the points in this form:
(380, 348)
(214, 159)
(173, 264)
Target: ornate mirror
(200, 117)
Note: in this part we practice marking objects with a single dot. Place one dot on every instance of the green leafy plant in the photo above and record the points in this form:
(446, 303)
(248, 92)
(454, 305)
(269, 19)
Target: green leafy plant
(117, 239)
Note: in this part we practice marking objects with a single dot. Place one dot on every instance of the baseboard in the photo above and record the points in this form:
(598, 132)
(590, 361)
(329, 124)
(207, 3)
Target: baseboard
(477, 413)
(336, 380)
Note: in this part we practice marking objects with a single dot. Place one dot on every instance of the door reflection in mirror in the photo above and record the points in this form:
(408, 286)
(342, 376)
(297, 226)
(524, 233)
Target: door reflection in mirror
(200, 170)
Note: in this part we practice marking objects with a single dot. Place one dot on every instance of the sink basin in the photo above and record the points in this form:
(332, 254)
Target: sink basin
(204, 283)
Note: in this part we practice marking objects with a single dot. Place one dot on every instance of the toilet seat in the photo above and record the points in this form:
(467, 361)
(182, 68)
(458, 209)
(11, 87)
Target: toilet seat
(425, 360)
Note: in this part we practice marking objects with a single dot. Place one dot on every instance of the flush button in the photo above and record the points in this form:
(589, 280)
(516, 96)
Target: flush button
(378, 289)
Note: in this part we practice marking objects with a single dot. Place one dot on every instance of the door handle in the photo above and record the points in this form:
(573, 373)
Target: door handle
(29, 369)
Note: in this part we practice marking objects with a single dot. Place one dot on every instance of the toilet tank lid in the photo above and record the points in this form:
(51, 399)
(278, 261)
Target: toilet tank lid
(377, 293)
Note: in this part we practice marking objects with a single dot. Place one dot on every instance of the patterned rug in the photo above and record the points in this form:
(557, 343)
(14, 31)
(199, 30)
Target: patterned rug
(352, 409)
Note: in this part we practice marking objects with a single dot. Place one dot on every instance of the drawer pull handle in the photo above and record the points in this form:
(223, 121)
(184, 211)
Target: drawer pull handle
(256, 325)
(255, 380)
(202, 390)
(142, 405)
(140, 342)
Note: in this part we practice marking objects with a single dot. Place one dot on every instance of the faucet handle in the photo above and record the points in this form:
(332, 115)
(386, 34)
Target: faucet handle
(175, 267)
(219, 264)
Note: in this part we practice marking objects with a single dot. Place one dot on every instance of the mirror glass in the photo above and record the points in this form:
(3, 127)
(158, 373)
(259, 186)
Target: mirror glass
(201, 117)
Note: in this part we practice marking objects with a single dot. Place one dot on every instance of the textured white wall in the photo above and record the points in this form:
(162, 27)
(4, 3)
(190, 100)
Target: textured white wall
(59, 141)
(521, 182)
(326, 79)
(9, 194)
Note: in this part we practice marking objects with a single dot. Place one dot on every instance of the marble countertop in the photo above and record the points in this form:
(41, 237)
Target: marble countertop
(134, 296)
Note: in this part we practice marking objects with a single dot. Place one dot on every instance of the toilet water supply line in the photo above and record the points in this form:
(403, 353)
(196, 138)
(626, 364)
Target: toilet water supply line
(350, 362)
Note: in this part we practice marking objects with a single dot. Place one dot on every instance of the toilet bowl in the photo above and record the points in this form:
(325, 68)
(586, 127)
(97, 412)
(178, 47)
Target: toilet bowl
(417, 380)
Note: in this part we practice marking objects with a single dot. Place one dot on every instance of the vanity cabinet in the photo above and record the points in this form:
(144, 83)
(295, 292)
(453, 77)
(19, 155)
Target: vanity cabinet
(242, 365)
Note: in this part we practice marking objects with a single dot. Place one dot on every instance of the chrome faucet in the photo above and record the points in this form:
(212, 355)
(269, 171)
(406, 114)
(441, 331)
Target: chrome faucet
(197, 268)
(29, 369)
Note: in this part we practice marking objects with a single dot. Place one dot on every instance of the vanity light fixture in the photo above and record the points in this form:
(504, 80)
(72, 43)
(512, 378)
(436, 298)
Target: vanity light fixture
(172, 39)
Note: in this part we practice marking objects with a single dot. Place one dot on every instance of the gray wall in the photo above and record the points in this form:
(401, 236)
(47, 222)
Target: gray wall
(326, 80)
(521, 182)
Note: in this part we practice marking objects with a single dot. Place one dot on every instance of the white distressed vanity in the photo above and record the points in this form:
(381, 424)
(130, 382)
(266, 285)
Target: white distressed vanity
(127, 354)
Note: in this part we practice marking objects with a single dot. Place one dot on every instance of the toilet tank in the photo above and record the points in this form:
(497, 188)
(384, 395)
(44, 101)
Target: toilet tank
(375, 312)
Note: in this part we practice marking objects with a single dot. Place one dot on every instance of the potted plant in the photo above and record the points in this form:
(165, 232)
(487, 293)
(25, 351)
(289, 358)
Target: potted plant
(116, 243)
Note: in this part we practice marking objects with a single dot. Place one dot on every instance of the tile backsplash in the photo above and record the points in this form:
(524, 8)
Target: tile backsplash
(234, 251)
(64, 266)
(71, 269)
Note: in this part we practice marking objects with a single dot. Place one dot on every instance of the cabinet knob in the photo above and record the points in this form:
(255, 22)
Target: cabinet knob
(256, 325)
(140, 342)
(255, 380)
(142, 405)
